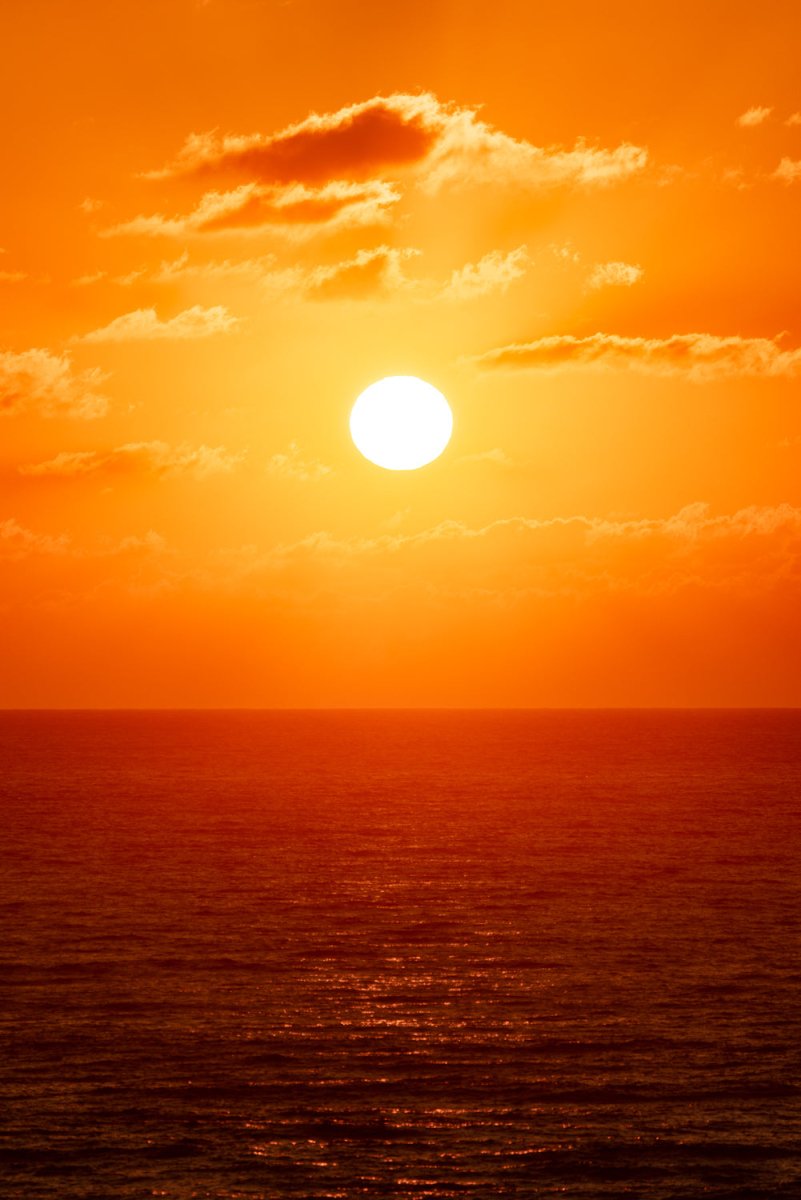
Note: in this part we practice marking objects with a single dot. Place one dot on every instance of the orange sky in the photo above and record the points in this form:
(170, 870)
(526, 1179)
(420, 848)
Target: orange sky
(221, 221)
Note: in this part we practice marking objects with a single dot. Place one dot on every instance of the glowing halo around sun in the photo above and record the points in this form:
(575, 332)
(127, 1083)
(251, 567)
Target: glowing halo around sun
(401, 423)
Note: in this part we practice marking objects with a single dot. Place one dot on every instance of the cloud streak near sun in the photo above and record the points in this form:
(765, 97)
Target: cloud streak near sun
(145, 325)
(252, 208)
(443, 142)
(46, 383)
(345, 168)
(136, 457)
(701, 357)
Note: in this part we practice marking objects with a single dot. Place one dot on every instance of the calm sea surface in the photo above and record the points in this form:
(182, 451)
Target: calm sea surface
(401, 954)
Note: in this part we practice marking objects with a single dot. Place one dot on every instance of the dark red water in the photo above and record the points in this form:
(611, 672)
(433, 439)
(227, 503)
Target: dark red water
(401, 954)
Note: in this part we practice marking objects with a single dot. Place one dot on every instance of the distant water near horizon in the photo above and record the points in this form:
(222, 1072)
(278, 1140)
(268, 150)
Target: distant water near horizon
(400, 954)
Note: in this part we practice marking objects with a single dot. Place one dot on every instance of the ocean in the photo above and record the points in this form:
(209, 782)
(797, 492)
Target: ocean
(400, 954)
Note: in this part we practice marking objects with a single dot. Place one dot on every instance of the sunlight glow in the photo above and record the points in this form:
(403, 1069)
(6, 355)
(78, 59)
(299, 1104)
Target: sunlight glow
(401, 423)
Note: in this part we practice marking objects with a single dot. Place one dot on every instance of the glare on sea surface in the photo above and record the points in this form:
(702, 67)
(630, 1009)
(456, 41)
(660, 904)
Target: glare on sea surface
(401, 423)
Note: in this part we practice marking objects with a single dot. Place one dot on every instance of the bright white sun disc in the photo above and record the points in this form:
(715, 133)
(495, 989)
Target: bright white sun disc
(401, 423)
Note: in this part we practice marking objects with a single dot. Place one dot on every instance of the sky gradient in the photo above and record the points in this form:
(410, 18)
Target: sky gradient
(223, 220)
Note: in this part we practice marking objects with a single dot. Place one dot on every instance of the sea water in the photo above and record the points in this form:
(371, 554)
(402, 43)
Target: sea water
(400, 954)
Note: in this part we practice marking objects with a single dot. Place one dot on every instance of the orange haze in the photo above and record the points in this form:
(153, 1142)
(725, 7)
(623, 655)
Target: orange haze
(222, 220)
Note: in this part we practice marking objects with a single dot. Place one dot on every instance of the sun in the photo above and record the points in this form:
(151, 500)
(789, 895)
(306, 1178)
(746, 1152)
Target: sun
(401, 423)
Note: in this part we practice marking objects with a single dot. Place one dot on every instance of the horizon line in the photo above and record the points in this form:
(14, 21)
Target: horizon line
(443, 708)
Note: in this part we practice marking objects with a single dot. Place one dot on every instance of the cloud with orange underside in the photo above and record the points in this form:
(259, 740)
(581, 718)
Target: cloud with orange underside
(390, 136)
(292, 464)
(750, 550)
(503, 565)
(252, 208)
(144, 324)
(18, 542)
(180, 269)
(356, 141)
(367, 274)
(699, 357)
(614, 274)
(42, 382)
(752, 117)
(492, 273)
(154, 457)
(788, 171)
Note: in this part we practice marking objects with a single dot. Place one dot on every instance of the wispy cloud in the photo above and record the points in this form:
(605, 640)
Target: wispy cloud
(565, 252)
(134, 457)
(751, 550)
(469, 151)
(145, 325)
(503, 563)
(90, 278)
(41, 382)
(181, 269)
(788, 170)
(698, 356)
(353, 142)
(291, 464)
(614, 274)
(494, 272)
(253, 207)
(691, 523)
(393, 135)
(754, 116)
(367, 273)
(794, 119)
(18, 542)
(697, 520)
